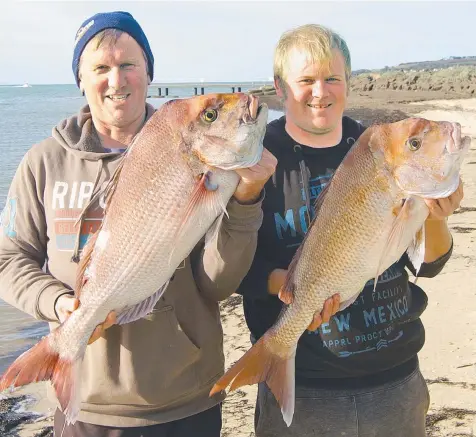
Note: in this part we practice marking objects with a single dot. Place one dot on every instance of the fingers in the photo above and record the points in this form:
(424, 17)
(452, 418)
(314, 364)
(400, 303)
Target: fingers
(457, 196)
(72, 304)
(331, 307)
(442, 208)
(336, 303)
(96, 334)
(316, 322)
(327, 310)
(65, 305)
(276, 280)
(268, 159)
(434, 208)
(101, 328)
(262, 170)
(322, 317)
(110, 320)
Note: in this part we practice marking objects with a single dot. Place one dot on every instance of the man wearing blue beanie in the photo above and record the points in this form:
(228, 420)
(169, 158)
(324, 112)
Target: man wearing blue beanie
(111, 20)
(150, 377)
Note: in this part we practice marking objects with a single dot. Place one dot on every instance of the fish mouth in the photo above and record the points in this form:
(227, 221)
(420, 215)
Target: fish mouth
(454, 145)
(253, 110)
(458, 145)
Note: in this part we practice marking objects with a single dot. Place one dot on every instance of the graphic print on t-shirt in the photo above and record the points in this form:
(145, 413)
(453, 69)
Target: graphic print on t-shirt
(293, 224)
(369, 324)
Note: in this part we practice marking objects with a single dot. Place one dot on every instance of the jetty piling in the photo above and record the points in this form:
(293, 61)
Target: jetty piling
(165, 90)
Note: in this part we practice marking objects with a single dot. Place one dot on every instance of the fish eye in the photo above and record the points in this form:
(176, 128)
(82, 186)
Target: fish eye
(414, 144)
(210, 115)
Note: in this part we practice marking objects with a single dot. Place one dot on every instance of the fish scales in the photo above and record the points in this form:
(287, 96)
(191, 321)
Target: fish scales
(371, 212)
(316, 279)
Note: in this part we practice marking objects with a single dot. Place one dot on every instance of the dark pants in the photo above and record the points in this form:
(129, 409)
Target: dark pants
(205, 424)
(396, 409)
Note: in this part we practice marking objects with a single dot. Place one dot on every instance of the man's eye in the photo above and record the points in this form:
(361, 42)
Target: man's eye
(332, 79)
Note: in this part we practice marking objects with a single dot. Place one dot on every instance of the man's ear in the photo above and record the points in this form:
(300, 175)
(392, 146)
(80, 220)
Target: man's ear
(278, 87)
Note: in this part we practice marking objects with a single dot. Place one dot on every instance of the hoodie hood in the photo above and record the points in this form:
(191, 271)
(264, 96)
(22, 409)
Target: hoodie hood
(78, 134)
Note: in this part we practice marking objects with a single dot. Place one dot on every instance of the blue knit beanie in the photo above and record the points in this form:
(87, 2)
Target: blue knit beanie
(110, 20)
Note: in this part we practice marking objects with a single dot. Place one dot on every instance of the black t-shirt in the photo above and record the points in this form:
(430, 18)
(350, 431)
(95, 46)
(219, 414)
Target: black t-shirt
(381, 331)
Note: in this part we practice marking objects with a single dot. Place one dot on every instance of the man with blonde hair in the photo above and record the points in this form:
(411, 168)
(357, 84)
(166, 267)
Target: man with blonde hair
(357, 371)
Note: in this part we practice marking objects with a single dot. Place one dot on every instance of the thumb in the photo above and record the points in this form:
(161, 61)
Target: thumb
(70, 304)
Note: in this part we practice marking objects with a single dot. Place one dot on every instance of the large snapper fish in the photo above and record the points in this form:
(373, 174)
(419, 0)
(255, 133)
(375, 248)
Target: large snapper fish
(370, 213)
(173, 184)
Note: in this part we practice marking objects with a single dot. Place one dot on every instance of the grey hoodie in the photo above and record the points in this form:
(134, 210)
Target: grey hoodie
(157, 369)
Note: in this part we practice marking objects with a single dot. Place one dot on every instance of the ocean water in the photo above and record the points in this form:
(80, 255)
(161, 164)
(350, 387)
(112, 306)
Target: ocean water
(27, 116)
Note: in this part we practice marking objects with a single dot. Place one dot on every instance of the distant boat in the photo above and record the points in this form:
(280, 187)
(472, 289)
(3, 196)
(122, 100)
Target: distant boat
(26, 85)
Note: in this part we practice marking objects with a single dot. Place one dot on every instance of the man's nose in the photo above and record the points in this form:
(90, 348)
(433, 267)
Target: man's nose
(116, 78)
(319, 88)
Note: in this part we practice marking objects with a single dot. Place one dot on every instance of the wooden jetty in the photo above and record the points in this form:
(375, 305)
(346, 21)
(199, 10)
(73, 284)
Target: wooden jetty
(165, 90)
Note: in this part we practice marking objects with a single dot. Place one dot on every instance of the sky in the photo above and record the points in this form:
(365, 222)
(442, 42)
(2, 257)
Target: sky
(232, 41)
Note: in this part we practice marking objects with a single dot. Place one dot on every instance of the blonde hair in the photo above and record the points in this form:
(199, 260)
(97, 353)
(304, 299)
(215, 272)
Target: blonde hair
(108, 37)
(317, 41)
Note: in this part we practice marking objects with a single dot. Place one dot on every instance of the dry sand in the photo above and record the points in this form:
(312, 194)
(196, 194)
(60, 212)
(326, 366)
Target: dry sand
(448, 359)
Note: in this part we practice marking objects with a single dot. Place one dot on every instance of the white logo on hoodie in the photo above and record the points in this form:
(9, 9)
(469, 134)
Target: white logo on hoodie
(74, 196)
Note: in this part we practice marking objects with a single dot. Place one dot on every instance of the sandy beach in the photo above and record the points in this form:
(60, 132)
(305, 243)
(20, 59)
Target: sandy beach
(448, 359)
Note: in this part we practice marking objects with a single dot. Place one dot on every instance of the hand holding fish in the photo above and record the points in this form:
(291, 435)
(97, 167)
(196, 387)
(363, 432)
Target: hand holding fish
(254, 178)
(442, 208)
(66, 304)
(331, 305)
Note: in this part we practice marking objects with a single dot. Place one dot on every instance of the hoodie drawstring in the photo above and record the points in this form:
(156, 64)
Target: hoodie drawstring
(80, 219)
(305, 180)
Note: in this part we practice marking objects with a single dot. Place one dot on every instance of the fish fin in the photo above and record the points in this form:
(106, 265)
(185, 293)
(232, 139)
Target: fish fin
(136, 312)
(320, 199)
(403, 213)
(199, 195)
(286, 293)
(261, 364)
(42, 363)
(416, 250)
(410, 217)
(203, 192)
(212, 233)
(83, 264)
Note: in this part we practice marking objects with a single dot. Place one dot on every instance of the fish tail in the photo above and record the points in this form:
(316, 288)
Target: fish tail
(42, 363)
(260, 364)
